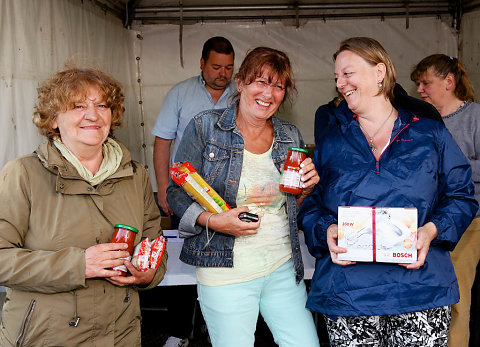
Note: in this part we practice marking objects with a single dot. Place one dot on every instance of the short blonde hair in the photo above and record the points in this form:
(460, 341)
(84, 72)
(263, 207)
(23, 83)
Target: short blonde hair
(60, 93)
(374, 53)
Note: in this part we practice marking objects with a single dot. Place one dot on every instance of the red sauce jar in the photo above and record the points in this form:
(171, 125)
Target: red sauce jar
(124, 234)
(290, 181)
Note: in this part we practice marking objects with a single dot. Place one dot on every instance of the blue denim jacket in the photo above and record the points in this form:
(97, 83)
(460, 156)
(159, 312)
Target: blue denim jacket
(213, 144)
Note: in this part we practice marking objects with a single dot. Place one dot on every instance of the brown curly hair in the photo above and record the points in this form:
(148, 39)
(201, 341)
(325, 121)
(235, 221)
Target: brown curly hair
(60, 93)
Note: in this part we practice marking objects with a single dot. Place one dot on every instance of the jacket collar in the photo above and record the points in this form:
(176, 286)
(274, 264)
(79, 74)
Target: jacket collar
(228, 121)
(68, 179)
(347, 118)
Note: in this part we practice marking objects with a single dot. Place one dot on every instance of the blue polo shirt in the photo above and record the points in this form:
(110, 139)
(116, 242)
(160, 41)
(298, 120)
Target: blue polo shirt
(185, 100)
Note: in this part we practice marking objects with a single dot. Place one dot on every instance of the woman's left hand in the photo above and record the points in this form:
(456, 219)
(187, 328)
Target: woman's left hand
(426, 234)
(309, 176)
(139, 278)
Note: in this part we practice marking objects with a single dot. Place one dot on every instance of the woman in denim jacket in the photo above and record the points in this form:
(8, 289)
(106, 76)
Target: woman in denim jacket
(247, 267)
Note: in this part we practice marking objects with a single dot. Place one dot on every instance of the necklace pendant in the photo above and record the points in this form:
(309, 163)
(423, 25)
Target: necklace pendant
(372, 146)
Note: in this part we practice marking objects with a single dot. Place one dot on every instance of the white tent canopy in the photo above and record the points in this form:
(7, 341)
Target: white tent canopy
(39, 37)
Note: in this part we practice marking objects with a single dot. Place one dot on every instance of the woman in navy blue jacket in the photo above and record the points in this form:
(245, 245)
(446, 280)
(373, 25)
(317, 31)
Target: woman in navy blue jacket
(376, 155)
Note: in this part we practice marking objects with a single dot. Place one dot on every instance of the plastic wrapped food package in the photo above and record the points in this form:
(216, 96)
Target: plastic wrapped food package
(148, 254)
(185, 175)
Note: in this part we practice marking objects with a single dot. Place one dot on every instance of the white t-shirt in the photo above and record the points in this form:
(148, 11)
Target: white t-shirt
(260, 254)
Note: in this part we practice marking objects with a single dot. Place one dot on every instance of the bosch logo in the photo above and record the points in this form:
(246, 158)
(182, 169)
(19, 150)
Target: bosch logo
(402, 255)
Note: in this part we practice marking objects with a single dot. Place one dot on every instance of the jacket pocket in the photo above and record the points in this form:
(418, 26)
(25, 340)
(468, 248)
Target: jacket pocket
(215, 159)
(25, 322)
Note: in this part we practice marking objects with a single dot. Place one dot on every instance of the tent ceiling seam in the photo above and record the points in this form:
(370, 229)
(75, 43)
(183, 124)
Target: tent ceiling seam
(208, 11)
(129, 10)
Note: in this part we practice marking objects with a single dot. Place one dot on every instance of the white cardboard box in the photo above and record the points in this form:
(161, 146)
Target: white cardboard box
(381, 234)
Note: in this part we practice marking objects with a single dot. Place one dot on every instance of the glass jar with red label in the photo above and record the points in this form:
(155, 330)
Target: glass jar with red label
(124, 234)
(290, 180)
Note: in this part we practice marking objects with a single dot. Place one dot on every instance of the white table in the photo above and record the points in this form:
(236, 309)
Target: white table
(179, 273)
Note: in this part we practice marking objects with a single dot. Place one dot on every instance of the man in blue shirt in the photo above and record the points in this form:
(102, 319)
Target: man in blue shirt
(213, 88)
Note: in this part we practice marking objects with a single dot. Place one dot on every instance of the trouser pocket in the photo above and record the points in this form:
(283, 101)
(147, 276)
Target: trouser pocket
(25, 322)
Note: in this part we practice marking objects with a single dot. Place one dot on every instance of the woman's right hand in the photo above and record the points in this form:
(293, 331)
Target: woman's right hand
(228, 222)
(332, 242)
(101, 258)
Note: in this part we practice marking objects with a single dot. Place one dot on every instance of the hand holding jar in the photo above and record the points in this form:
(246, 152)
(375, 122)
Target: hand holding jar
(299, 175)
(112, 260)
(101, 258)
(125, 234)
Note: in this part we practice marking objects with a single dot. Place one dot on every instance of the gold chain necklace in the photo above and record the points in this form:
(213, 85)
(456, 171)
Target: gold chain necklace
(372, 146)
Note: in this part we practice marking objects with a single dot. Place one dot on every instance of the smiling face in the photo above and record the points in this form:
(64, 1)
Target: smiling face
(217, 70)
(85, 126)
(357, 80)
(432, 89)
(262, 97)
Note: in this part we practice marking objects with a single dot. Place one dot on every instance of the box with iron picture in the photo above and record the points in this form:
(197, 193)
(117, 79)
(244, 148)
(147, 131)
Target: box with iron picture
(378, 234)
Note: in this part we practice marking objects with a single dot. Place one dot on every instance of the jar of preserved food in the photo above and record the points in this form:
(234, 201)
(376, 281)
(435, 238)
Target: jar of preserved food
(290, 180)
(124, 234)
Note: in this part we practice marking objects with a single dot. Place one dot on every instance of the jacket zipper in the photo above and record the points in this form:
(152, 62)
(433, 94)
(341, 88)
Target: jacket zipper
(401, 130)
(76, 319)
(26, 320)
(127, 295)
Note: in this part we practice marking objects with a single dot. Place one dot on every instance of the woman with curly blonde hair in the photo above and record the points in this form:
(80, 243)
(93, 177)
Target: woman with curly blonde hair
(59, 208)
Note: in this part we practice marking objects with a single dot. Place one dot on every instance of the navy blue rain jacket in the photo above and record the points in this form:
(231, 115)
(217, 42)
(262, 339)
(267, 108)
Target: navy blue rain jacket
(422, 167)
